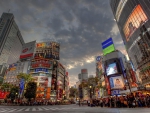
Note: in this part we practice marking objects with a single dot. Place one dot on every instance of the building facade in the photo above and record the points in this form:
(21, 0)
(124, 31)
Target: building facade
(115, 75)
(133, 20)
(14, 69)
(3, 69)
(11, 40)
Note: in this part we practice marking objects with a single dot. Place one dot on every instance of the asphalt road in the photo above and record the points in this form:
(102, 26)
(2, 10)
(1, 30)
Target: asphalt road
(69, 109)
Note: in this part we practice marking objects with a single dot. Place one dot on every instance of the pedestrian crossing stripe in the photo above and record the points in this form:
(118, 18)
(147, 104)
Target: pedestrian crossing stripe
(2, 110)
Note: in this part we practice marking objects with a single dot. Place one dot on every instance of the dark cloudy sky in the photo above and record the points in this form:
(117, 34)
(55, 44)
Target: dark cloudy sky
(78, 25)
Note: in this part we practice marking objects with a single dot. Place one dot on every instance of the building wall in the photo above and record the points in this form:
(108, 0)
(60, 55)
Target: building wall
(14, 69)
(127, 12)
(11, 40)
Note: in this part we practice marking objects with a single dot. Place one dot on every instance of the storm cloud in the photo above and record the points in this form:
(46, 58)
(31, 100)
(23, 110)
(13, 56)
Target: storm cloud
(80, 26)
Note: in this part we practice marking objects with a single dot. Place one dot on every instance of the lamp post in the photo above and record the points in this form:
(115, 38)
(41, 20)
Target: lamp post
(90, 92)
(16, 97)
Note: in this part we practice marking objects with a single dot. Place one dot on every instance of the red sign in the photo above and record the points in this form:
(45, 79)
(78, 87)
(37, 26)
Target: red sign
(3, 94)
(107, 85)
(133, 75)
(84, 71)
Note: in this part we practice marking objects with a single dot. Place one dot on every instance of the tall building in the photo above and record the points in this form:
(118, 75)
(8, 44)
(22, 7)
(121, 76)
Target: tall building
(11, 40)
(83, 75)
(115, 77)
(132, 18)
(3, 69)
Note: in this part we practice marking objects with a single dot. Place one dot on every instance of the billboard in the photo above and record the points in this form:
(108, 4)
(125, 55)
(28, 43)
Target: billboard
(111, 69)
(28, 50)
(83, 71)
(116, 82)
(48, 50)
(99, 66)
(42, 63)
(135, 20)
(12, 67)
(108, 46)
(49, 81)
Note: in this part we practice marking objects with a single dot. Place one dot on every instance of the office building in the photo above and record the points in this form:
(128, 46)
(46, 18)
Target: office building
(11, 40)
(132, 18)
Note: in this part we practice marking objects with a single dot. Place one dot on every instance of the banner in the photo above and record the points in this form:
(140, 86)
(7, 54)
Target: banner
(49, 81)
(13, 67)
(116, 82)
(28, 50)
(22, 82)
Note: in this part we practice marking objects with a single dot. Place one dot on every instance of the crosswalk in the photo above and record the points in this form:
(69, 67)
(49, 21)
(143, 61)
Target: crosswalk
(39, 108)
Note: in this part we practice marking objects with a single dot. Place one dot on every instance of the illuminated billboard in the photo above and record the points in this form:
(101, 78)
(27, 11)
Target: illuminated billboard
(111, 69)
(12, 67)
(135, 20)
(116, 82)
(108, 46)
(48, 50)
(28, 50)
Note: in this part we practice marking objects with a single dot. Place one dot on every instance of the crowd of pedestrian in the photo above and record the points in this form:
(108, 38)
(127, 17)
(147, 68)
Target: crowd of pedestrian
(130, 101)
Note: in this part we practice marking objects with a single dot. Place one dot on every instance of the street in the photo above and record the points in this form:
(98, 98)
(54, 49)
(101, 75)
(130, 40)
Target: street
(69, 109)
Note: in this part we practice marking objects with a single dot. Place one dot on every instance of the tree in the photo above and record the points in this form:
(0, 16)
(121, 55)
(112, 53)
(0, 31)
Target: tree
(27, 77)
(73, 92)
(6, 86)
(13, 93)
(30, 90)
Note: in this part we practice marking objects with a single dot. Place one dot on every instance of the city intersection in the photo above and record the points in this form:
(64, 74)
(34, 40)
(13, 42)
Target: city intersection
(69, 109)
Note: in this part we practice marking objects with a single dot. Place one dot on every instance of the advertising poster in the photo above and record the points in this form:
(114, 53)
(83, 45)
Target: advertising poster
(48, 50)
(116, 82)
(49, 81)
(107, 85)
(22, 82)
(28, 50)
(111, 69)
(99, 66)
(135, 20)
(13, 67)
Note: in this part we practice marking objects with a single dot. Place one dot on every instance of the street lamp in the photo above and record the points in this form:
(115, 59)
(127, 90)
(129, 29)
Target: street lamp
(90, 92)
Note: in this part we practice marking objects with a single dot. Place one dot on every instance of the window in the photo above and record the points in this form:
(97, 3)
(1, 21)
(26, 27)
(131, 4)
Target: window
(135, 20)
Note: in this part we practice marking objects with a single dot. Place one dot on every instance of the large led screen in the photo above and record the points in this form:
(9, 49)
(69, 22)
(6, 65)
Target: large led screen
(111, 69)
(135, 20)
(116, 82)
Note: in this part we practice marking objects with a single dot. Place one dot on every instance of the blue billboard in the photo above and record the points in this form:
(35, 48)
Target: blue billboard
(107, 43)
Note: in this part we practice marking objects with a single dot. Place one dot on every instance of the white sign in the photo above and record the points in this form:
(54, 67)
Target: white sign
(28, 50)
(49, 81)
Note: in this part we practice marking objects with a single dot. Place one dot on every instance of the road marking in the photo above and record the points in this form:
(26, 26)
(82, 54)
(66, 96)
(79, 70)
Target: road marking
(27, 109)
(39, 109)
(12, 110)
(21, 109)
(45, 108)
(33, 109)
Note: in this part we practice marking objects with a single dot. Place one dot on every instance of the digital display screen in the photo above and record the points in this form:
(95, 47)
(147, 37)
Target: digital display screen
(135, 20)
(111, 69)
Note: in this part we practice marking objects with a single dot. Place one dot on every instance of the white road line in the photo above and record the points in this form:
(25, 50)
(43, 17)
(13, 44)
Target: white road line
(45, 108)
(27, 109)
(40, 109)
(21, 109)
(33, 109)
(53, 109)
(5, 109)
(12, 110)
